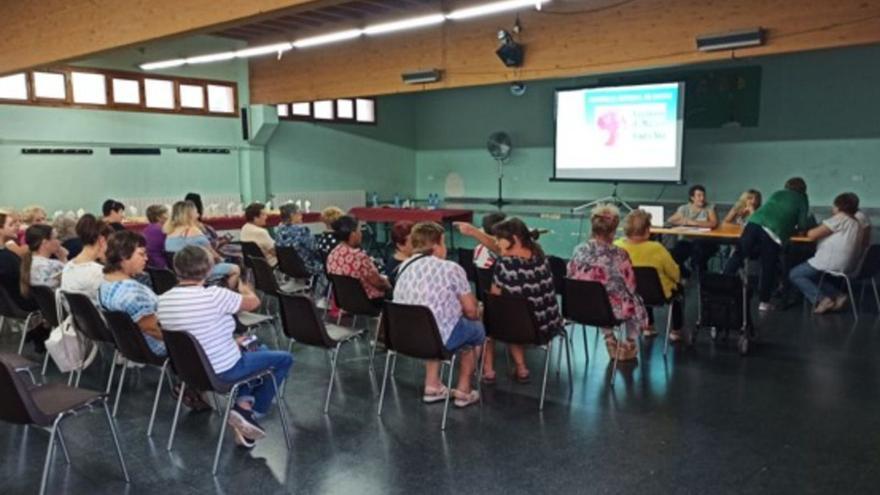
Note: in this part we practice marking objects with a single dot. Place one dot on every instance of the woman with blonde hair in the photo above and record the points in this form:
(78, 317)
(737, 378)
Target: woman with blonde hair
(748, 203)
(326, 241)
(599, 260)
(182, 229)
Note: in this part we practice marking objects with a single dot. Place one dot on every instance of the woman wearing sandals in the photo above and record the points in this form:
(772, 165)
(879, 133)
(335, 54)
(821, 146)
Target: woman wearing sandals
(599, 260)
(522, 270)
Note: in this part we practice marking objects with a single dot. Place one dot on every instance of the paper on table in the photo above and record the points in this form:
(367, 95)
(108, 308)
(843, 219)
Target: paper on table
(692, 229)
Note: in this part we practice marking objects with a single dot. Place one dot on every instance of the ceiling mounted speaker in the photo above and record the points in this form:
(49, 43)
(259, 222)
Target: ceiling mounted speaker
(742, 38)
(421, 76)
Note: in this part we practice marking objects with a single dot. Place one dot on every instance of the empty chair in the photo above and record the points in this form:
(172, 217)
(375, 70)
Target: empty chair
(162, 280)
(648, 286)
(510, 319)
(265, 281)
(20, 364)
(134, 348)
(45, 298)
(558, 267)
(351, 297)
(300, 321)
(195, 371)
(411, 330)
(48, 406)
(88, 321)
(586, 303)
(8, 309)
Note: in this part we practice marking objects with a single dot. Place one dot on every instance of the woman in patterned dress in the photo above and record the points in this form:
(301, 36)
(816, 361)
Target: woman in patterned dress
(522, 270)
(599, 260)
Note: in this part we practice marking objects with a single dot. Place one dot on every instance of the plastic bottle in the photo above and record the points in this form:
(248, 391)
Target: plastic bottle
(375, 200)
(397, 200)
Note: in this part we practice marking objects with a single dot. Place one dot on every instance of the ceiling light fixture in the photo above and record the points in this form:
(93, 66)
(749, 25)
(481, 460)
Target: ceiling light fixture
(493, 8)
(263, 50)
(415, 22)
(165, 64)
(211, 57)
(327, 38)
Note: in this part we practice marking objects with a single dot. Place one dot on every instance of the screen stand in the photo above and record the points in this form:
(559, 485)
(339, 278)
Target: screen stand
(613, 199)
(500, 201)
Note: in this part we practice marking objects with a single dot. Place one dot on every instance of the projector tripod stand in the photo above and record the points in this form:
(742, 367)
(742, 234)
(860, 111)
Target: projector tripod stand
(612, 199)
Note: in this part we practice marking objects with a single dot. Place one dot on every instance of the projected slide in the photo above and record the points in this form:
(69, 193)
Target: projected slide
(626, 133)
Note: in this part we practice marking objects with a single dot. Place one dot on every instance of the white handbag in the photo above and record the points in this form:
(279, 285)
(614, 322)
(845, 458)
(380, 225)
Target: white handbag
(65, 346)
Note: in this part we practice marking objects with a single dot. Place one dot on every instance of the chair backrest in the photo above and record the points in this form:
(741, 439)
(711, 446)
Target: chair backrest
(162, 280)
(191, 363)
(250, 250)
(300, 321)
(412, 330)
(17, 406)
(130, 338)
(510, 319)
(648, 286)
(264, 278)
(587, 303)
(86, 318)
(350, 295)
(465, 258)
(291, 263)
(483, 282)
(45, 298)
(870, 262)
(9, 308)
(558, 267)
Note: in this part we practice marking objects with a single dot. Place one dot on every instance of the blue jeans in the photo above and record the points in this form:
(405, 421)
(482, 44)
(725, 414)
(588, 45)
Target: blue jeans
(466, 333)
(156, 345)
(756, 243)
(806, 278)
(261, 393)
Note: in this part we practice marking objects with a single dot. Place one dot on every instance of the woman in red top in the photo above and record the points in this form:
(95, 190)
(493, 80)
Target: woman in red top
(350, 260)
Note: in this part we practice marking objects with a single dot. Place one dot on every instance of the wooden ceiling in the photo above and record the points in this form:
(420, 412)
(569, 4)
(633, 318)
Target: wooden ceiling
(329, 18)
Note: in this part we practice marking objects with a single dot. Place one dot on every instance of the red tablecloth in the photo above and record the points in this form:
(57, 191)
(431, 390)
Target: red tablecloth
(231, 223)
(390, 215)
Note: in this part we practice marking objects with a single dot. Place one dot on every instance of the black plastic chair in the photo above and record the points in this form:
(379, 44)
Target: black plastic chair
(650, 288)
(133, 346)
(195, 371)
(412, 331)
(483, 283)
(265, 281)
(8, 309)
(46, 301)
(48, 406)
(250, 250)
(510, 319)
(291, 263)
(558, 267)
(351, 297)
(301, 322)
(586, 303)
(869, 269)
(90, 323)
(465, 258)
(162, 280)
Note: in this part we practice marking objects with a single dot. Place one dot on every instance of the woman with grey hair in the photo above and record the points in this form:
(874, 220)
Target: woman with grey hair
(292, 233)
(207, 313)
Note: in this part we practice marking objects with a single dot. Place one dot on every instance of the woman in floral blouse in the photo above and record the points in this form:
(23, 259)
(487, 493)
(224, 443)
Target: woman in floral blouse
(599, 260)
(292, 233)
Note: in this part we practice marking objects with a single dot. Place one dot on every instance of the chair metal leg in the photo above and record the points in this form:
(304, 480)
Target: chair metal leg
(375, 342)
(112, 425)
(232, 395)
(586, 350)
(876, 294)
(63, 445)
(79, 375)
(668, 329)
(281, 411)
(112, 369)
(547, 352)
(334, 357)
(24, 331)
(568, 363)
(393, 365)
(45, 364)
(119, 386)
(852, 300)
(614, 358)
(31, 374)
(176, 415)
(49, 451)
(449, 388)
(384, 381)
(156, 398)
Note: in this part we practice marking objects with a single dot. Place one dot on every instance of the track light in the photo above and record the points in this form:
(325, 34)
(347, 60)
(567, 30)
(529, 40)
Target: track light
(493, 8)
(390, 27)
(327, 38)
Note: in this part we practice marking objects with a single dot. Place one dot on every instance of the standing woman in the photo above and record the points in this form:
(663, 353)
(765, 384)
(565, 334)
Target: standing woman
(522, 270)
(599, 260)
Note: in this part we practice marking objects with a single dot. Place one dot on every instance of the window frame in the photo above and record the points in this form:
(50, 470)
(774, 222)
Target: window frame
(28, 90)
(31, 82)
(142, 97)
(336, 118)
(83, 70)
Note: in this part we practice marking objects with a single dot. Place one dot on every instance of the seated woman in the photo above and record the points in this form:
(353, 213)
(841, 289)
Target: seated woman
(31, 215)
(349, 259)
(207, 314)
(85, 273)
(522, 270)
(10, 262)
(326, 241)
(44, 261)
(291, 233)
(65, 227)
(220, 243)
(402, 248)
(428, 279)
(838, 250)
(13, 236)
(696, 213)
(645, 252)
(599, 260)
(255, 231)
(748, 203)
(157, 215)
(182, 230)
(114, 214)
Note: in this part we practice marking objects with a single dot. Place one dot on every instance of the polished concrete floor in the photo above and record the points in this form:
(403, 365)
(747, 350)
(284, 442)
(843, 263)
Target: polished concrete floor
(798, 415)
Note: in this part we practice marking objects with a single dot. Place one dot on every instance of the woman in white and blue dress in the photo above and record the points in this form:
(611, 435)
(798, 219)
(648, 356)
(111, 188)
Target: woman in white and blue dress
(182, 230)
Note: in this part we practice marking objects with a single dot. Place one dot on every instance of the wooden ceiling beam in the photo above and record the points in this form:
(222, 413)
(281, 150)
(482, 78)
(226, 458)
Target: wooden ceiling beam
(32, 30)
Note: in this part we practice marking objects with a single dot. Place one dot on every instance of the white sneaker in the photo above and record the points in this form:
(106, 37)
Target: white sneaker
(765, 306)
(840, 302)
(824, 306)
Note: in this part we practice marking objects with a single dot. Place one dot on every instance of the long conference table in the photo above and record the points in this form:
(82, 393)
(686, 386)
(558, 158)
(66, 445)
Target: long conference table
(726, 232)
(387, 216)
(225, 222)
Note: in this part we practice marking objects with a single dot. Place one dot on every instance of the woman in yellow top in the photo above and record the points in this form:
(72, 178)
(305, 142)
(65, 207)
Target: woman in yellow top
(644, 252)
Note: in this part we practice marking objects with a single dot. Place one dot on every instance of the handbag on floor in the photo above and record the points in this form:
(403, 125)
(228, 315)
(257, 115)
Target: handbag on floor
(67, 349)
